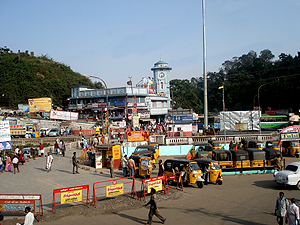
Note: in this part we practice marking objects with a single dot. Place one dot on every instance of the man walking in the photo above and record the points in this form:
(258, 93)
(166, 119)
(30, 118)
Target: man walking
(49, 160)
(280, 208)
(112, 163)
(292, 213)
(125, 165)
(131, 166)
(29, 218)
(154, 208)
(75, 163)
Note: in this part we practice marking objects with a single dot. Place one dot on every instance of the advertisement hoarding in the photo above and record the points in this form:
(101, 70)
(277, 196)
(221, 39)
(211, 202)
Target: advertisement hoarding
(5, 139)
(40, 105)
(63, 115)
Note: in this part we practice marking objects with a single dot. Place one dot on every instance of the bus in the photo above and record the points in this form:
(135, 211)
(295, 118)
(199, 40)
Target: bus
(273, 122)
(213, 121)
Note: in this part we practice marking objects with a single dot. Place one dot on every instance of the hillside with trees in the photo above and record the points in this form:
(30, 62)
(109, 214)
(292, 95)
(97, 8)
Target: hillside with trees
(278, 82)
(24, 77)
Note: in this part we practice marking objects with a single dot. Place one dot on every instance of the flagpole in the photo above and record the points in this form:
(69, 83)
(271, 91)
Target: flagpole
(224, 112)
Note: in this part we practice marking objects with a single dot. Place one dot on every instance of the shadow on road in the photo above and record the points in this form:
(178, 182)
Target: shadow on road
(270, 184)
(41, 169)
(65, 171)
(138, 220)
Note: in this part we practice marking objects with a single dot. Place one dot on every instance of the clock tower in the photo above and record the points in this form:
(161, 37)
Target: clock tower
(161, 72)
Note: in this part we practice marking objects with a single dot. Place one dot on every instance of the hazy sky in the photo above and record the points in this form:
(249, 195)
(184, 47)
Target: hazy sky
(114, 39)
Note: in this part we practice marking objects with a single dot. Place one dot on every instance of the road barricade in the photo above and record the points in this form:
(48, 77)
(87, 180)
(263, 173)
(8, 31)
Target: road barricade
(176, 176)
(16, 203)
(158, 183)
(114, 187)
(71, 194)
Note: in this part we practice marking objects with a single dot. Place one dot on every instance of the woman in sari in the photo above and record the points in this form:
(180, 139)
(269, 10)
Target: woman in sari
(8, 163)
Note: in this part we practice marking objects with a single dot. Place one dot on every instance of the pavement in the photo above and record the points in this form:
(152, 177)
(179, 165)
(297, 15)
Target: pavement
(34, 179)
(242, 199)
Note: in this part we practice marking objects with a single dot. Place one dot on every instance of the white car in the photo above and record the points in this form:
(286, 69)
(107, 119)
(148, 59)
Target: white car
(289, 176)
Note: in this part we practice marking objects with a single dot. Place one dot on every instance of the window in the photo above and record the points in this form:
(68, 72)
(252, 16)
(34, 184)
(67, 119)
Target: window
(161, 85)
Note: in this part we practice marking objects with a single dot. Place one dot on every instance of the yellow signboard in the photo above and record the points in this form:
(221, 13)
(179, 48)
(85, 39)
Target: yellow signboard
(157, 185)
(40, 104)
(116, 150)
(135, 121)
(114, 190)
(71, 196)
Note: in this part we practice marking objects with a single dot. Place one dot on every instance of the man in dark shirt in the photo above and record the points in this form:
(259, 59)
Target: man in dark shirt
(75, 163)
(153, 208)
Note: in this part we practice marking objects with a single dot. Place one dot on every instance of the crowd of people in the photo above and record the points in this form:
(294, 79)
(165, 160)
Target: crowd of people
(285, 211)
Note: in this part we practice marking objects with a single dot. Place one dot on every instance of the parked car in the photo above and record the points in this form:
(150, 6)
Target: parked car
(44, 132)
(54, 132)
(289, 176)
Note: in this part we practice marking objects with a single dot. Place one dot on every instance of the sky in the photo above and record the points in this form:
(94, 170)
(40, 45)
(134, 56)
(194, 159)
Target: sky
(115, 39)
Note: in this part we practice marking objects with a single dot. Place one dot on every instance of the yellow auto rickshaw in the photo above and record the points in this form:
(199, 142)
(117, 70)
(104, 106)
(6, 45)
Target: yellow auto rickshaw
(291, 148)
(99, 131)
(190, 171)
(143, 166)
(240, 158)
(211, 169)
(223, 157)
(215, 144)
(147, 150)
(156, 146)
(257, 157)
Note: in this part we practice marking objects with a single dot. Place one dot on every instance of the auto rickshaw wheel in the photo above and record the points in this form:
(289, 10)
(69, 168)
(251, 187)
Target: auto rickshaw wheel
(297, 156)
(170, 182)
(200, 184)
(220, 182)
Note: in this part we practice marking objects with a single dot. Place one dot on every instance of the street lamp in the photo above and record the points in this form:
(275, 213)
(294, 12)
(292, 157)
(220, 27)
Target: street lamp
(89, 76)
(258, 95)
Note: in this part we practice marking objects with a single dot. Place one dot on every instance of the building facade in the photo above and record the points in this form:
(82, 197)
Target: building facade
(152, 100)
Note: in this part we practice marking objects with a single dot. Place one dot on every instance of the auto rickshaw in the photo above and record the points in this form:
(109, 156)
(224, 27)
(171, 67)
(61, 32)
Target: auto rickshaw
(195, 175)
(215, 171)
(143, 166)
(202, 147)
(203, 155)
(223, 157)
(274, 145)
(271, 155)
(215, 144)
(291, 148)
(147, 150)
(240, 158)
(156, 146)
(257, 157)
(248, 143)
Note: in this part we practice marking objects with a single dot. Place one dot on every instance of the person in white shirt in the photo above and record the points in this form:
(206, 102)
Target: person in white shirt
(49, 160)
(292, 213)
(16, 164)
(29, 218)
(17, 150)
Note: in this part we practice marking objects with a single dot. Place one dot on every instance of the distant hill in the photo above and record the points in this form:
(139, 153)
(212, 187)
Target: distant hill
(24, 76)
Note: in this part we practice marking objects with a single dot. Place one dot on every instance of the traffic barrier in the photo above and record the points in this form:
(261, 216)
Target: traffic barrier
(113, 188)
(71, 194)
(158, 183)
(17, 202)
(176, 176)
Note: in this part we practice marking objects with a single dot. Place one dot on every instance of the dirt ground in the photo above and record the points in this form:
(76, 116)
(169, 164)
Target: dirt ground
(105, 206)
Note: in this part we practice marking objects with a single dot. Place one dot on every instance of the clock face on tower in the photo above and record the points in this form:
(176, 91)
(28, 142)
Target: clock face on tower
(161, 75)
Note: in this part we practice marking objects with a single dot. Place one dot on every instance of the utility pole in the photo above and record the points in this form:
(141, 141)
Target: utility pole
(204, 69)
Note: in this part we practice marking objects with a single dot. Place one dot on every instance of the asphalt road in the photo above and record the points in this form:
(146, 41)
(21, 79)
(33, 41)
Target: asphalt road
(242, 199)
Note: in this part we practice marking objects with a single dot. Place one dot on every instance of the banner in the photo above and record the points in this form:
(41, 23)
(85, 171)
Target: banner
(16, 205)
(134, 136)
(5, 139)
(40, 105)
(63, 115)
(71, 196)
(114, 190)
(157, 185)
